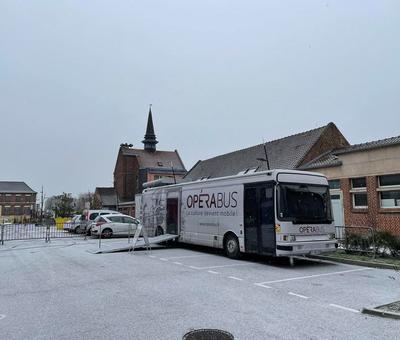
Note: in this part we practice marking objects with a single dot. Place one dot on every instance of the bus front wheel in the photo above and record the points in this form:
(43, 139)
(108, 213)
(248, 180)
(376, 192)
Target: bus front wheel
(231, 246)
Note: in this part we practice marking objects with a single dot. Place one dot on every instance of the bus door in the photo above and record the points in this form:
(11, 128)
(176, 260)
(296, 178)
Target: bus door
(259, 218)
(172, 216)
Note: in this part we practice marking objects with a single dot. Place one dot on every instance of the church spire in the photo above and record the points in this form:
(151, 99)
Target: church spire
(150, 138)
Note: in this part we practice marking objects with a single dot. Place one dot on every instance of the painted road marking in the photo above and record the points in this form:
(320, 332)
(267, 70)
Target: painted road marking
(299, 295)
(187, 256)
(344, 308)
(193, 267)
(163, 259)
(262, 285)
(178, 263)
(152, 256)
(2, 316)
(212, 272)
(235, 278)
(316, 275)
(226, 265)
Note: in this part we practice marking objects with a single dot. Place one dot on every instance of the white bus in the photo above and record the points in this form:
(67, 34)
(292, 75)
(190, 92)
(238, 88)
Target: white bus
(276, 213)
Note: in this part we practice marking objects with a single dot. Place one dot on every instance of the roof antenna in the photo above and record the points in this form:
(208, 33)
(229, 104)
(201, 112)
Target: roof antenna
(266, 156)
(173, 172)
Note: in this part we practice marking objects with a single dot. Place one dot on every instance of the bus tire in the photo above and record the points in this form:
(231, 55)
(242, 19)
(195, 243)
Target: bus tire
(231, 246)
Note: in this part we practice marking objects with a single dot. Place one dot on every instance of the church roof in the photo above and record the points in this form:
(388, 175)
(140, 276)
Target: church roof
(155, 160)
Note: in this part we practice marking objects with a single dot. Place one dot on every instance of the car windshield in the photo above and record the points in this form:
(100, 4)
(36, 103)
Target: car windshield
(304, 203)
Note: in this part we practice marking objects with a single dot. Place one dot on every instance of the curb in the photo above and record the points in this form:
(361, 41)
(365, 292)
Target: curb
(381, 313)
(355, 262)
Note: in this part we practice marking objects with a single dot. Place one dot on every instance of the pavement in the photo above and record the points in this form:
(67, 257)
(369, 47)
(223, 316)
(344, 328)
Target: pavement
(61, 291)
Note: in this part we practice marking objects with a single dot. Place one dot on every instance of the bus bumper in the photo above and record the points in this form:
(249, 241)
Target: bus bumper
(304, 248)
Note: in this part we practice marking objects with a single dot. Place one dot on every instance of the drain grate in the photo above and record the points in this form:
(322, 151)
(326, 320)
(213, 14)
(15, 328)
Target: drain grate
(208, 334)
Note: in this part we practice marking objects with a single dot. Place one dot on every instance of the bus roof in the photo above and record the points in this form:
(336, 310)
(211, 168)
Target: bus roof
(273, 174)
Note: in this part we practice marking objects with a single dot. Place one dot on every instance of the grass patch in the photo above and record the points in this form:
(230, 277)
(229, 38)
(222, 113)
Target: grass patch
(364, 257)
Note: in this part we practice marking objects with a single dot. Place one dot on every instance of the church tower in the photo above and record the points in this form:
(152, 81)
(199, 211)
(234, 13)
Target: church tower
(150, 138)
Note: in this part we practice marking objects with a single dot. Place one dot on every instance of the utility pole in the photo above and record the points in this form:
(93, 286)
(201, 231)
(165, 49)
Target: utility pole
(41, 205)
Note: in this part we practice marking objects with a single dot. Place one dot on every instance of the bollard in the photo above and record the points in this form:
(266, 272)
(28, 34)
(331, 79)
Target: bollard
(100, 237)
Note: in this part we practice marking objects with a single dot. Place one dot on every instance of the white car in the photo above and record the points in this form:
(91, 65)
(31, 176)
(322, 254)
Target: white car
(73, 223)
(89, 217)
(114, 225)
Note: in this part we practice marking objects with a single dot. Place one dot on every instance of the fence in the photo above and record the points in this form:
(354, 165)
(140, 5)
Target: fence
(31, 231)
(357, 239)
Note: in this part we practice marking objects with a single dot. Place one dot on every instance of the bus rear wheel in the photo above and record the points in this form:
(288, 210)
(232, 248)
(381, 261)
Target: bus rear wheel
(231, 247)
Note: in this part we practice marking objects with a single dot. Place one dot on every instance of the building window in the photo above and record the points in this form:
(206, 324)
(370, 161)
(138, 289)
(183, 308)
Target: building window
(7, 210)
(18, 210)
(358, 183)
(389, 188)
(334, 184)
(359, 193)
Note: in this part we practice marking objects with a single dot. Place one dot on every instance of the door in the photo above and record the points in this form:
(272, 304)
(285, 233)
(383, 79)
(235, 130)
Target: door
(259, 218)
(172, 216)
(337, 209)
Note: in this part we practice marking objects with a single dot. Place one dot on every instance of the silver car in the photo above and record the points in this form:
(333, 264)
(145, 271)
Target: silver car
(114, 225)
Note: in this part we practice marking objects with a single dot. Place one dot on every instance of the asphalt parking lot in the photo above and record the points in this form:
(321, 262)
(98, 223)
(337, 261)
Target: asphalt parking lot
(61, 291)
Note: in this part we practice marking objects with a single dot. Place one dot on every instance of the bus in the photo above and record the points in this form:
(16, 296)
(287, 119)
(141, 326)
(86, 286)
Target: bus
(275, 213)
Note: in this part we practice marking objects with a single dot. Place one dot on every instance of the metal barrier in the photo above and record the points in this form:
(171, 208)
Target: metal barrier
(356, 239)
(10, 232)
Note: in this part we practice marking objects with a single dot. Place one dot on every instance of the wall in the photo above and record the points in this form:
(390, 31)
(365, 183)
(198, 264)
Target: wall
(126, 176)
(369, 164)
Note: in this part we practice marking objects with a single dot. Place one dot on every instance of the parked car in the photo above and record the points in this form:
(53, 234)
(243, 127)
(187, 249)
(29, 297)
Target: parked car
(73, 223)
(114, 225)
(88, 218)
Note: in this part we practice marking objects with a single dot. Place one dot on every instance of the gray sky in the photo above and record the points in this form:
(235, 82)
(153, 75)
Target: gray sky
(76, 78)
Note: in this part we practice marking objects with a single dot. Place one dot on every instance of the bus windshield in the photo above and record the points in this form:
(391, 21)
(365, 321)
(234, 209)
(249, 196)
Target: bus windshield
(304, 203)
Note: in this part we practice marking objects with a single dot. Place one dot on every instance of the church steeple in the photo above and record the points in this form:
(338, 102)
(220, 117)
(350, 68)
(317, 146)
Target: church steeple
(150, 138)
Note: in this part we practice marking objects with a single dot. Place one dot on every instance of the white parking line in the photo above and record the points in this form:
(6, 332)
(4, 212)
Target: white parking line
(178, 263)
(235, 278)
(262, 285)
(212, 272)
(152, 256)
(344, 308)
(299, 295)
(186, 257)
(2, 316)
(163, 259)
(316, 275)
(193, 267)
(226, 265)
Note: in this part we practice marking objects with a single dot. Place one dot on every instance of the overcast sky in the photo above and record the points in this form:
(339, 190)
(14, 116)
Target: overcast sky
(76, 78)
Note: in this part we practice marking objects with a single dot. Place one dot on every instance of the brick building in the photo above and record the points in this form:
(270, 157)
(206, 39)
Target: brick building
(364, 178)
(137, 166)
(17, 201)
(365, 183)
(106, 198)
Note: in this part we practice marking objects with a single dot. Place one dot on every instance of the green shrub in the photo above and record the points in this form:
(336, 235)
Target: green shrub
(387, 243)
(355, 241)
